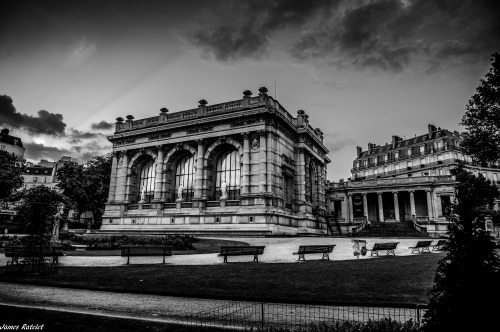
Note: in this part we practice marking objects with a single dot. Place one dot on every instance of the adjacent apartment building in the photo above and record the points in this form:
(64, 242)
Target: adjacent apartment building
(245, 166)
(406, 180)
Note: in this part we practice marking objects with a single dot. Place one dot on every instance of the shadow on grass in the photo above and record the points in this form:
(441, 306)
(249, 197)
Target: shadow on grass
(389, 279)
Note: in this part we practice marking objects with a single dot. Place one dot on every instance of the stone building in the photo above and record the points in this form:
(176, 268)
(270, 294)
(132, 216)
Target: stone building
(44, 173)
(406, 180)
(241, 167)
(11, 144)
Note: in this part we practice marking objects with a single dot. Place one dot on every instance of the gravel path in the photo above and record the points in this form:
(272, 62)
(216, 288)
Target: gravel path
(278, 250)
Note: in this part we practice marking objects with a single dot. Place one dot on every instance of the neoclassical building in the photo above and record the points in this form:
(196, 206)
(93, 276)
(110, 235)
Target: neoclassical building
(241, 167)
(405, 180)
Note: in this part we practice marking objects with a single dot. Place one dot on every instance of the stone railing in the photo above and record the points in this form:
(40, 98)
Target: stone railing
(401, 181)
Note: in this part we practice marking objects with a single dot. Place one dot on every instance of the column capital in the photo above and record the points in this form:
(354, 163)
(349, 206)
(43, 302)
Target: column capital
(395, 192)
(379, 193)
(364, 194)
(262, 132)
(199, 141)
(246, 135)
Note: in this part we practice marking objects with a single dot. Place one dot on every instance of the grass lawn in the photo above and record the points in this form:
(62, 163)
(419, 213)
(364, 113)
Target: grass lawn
(67, 321)
(388, 279)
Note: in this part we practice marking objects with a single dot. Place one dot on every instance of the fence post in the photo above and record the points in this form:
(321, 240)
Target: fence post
(262, 316)
(418, 315)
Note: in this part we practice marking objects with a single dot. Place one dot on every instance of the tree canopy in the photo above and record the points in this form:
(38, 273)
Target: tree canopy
(86, 185)
(482, 117)
(469, 273)
(11, 169)
(37, 214)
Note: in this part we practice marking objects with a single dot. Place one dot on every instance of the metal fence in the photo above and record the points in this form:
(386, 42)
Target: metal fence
(240, 315)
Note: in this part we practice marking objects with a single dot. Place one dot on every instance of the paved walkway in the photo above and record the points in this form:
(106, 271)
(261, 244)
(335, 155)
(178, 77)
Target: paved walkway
(278, 250)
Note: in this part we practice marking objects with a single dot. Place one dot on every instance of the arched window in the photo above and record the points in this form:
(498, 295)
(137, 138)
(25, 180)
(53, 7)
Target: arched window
(147, 182)
(228, 170)
(184, 174)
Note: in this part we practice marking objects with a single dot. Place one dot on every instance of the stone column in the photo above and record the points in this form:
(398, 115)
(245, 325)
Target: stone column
(380, 207)
(263, 166)
(365, 206)
(396, 206)
(429, 205)
(245, 188)
(351, 212)
(112, 182)
(121, 179)
(437, 206)
(412, 205)
(302, 173)
(269, 162)
(198, 186)
(158, 175)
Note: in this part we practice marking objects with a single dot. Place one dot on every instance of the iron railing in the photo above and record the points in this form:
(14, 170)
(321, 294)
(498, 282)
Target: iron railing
(246, 315)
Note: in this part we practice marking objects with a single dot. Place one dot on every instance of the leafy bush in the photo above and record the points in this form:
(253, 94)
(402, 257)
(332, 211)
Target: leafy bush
(383, 325)
(178, 242)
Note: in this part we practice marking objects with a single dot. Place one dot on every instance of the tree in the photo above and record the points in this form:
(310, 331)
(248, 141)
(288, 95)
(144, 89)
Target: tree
(73, 184)
(87, 185)
(98, 173)
(469, 273)
(37, 215)
(11, 170)
(482, 117)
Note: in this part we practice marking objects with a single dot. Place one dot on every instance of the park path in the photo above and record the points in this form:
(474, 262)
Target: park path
(278, 250)
(100, 302)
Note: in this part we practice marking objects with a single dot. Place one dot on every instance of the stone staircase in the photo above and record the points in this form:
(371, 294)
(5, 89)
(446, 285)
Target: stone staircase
(391, 229)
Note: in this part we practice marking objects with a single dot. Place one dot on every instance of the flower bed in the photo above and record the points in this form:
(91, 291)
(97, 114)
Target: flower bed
(178, 242)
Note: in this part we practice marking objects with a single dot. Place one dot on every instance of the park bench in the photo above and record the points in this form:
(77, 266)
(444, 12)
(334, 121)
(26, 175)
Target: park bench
(79, 247)
(127, 251)
(241, 250)
(315, 249)
(421, 246)
(389, 246)
(23, 258)
(439, 245)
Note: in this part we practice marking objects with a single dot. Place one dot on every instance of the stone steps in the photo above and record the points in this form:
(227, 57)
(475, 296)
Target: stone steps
(391, 229)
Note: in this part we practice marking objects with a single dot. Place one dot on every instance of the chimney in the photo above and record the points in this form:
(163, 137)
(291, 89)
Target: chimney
(431, 128)
(370, 147)
(395, 140)
(358, 151)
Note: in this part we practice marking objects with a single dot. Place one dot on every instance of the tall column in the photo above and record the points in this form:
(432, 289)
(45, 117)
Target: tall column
(198, 185)
(380, 207)
(263, 166)
(396, 206)
(429, 205)
(437, 206)
(269, 162)
(351, 212)
(112, 182)
(245, 188)
(302, 173)
(412, 205)
(365, 206)
(121, 180)
(159, 174)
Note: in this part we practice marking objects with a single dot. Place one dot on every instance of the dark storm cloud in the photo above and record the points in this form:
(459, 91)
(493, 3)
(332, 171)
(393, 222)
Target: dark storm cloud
(243, 29)
(76, 136)
(36, 151)
(103, 125)
(385, 34)
(45, 123)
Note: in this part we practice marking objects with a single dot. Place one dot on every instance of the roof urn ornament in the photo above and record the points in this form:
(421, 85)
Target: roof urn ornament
(247, 94)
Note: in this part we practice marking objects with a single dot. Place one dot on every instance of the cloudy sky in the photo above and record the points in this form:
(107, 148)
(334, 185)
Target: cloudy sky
(363, 70)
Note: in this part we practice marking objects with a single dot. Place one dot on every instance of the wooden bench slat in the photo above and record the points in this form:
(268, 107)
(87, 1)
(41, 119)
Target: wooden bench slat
(156, 250)
(421, 246)
(389, 246)
(240, 251)
(324, 249)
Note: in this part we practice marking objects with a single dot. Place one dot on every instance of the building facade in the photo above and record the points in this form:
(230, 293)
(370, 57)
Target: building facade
(44, 173)
(242, 167)
(407, 180)
(11, 144)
